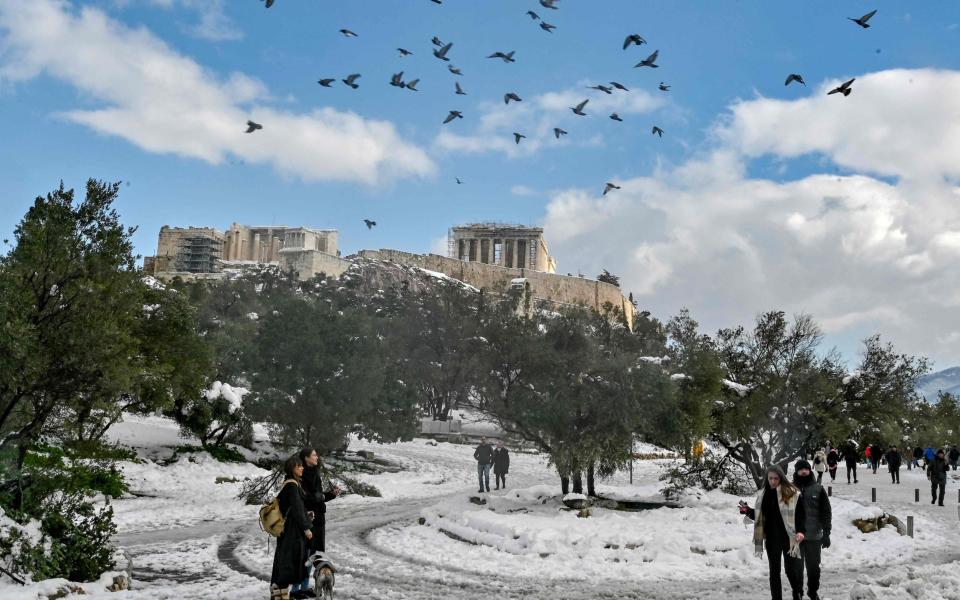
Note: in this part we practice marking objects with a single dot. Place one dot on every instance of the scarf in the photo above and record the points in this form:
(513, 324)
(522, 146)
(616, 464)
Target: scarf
(788, 512)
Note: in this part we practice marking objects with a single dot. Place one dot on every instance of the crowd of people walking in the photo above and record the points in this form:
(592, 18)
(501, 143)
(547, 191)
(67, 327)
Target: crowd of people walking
(792, 520)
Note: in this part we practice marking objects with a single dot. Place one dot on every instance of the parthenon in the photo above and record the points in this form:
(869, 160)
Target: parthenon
(514, 246)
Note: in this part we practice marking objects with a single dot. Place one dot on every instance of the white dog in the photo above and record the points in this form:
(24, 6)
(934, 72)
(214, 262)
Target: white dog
(323, 575)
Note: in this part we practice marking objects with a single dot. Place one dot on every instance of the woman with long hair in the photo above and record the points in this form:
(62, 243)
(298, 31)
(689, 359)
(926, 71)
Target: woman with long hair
(289, 560)
(778, 524)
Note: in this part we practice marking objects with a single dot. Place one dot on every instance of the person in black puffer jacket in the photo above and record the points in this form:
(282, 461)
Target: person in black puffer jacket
(818, 519)
(893, 463)
(937, 474)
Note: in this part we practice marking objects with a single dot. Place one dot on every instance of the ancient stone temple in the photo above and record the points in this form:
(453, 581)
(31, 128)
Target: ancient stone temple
(513, 246)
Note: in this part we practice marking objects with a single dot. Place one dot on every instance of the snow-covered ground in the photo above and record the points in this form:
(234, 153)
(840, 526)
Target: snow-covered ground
(189, 537)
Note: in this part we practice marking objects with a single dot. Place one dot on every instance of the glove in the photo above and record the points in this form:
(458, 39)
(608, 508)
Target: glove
(744, 508)
(825, 540)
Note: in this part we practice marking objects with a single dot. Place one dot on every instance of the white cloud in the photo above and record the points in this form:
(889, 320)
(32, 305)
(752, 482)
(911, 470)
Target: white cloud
(536, 118)
(861, 254)
(523, 190)
(165, 102)
(213, 24)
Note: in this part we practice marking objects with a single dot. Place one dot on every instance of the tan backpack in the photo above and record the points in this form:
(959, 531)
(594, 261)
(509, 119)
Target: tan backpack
(271, 519)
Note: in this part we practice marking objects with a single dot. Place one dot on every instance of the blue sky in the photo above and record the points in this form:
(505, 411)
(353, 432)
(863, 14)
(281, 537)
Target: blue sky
(725, 63)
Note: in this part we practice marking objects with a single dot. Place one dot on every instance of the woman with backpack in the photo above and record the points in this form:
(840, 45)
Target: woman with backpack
(289, 561)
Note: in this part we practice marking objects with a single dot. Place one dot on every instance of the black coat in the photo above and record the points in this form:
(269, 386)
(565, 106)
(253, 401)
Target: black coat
(314, 498)
(876, 453)
(291, 554)
(918, 453)
(894, 460)
(813, 511)
(484, 454)
(833, 458)
(954, 454)
(501, 461)
(851, 456)
(937, 470)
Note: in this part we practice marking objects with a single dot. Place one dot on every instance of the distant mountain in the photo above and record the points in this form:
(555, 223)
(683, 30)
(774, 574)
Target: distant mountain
(947, 380)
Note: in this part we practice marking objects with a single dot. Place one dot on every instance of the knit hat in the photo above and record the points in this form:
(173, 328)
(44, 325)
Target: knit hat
(801, 464)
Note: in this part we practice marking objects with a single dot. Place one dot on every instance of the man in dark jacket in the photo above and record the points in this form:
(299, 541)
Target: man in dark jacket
(850, 456)
(876, 453)
(501, 465)
(937, 474)
(484, 456)
(893, 463)
(818, 521)
(954, 457)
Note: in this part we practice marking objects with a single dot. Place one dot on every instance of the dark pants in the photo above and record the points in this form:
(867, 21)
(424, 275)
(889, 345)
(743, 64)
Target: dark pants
(500, 480)
(811, 559)
(793, 567)
(483, 474)
(942, 485)
(833, 473)
(895, 474)
(851, 468)
(319, 529)
(875, 464)
(819, 476)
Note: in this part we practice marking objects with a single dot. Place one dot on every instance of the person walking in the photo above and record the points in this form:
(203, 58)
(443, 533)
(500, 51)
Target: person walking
(937, 474)
(817, 524)
(876, 454)
(484, 456)
(501, 465)
(833, 460)
(778, 524)
(954, 457)
(917, 455)
(866, 454)
(820, 464)
(894, 460)
(289, 560)
(315, 502)
(851, 458)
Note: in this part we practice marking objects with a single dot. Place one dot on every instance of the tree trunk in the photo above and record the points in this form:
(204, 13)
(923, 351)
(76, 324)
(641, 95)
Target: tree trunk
(564, 485)
(591, 472)
(577, 482)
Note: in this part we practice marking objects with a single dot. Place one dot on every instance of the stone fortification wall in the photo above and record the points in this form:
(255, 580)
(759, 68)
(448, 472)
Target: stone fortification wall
(550, 287)
(307, 263)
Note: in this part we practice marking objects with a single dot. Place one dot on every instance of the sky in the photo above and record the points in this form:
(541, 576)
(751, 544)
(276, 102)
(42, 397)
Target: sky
(759, 196)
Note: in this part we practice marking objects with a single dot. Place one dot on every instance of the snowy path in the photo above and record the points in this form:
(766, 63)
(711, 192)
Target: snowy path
(229, 559)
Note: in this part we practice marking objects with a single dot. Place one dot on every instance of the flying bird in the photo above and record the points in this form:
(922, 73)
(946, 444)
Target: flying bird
(609, 187)
(518, 136)
(326, 82)
(649, 61)
(511, 96)
(616, 117)
(460, 91)
(404, 52)
(794, 77)
(844, 88)
(619, 86)
(352, 79)
(454, 114)
(458, 181)
(269, 3)
(251, 126)
(397, 80)
(437, 1)
(547, 26)
(454, 70)
(578, 109)
(602, 88)
(436, 41)
(412, 85)
(370, 224)
(533, 15)
(348, 33)
(633, 38)
(442, 52)
(507, 58)
(664, 87)
(558, 132)
(862, 21)
(549, 4)
(656, 131)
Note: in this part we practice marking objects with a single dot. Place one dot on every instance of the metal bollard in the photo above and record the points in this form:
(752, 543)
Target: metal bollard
(873, 494)
(916, 494)
(910, 526)
(829, 490)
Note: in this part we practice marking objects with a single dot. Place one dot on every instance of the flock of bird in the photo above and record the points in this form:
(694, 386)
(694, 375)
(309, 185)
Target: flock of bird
(442, 49)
